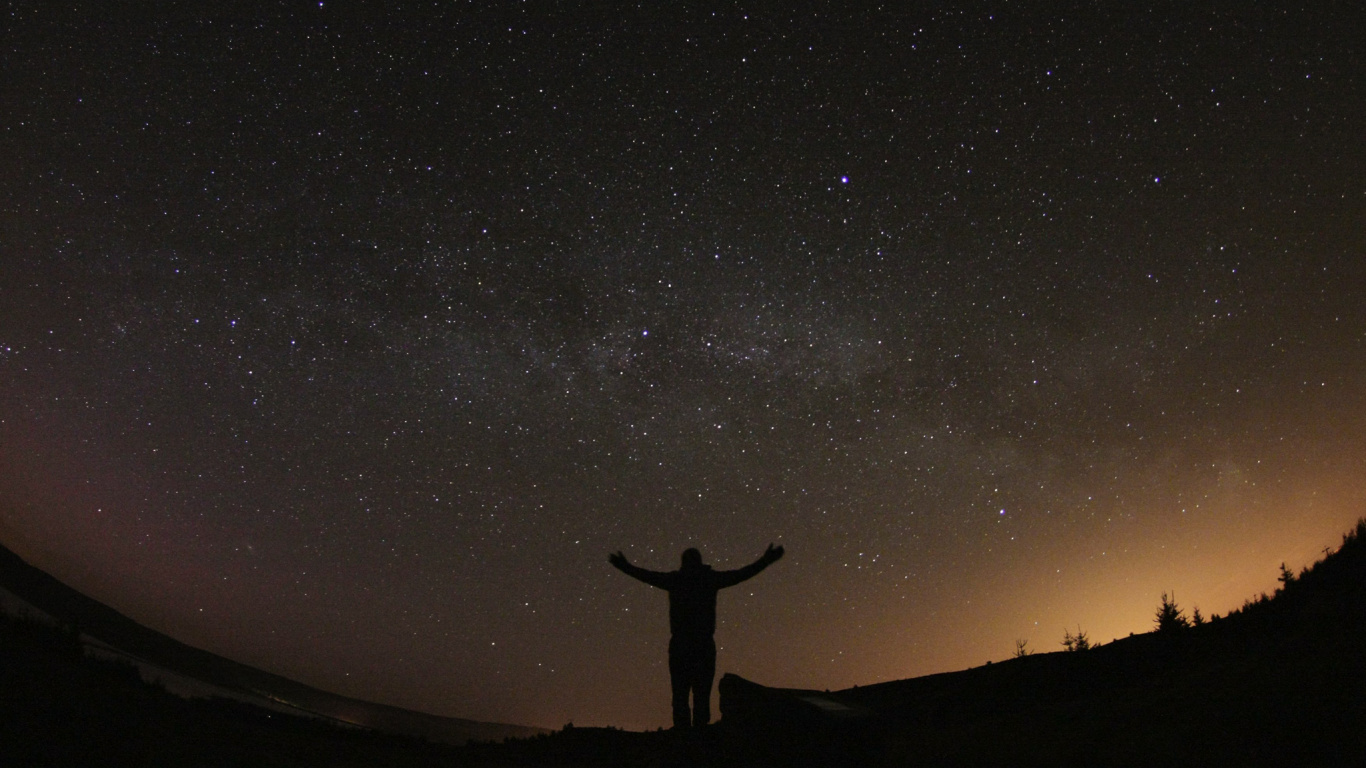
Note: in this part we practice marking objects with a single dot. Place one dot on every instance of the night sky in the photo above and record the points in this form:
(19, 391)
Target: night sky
(348, 343)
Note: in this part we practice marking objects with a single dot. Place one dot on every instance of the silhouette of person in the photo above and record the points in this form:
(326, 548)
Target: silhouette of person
(692, 623)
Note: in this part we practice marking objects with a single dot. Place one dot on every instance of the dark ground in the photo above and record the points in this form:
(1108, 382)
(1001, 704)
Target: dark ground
(1282, 681)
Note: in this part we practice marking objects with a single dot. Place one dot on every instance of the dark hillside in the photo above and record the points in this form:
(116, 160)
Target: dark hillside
(59, 707)
(90, 618)
(1281, 680)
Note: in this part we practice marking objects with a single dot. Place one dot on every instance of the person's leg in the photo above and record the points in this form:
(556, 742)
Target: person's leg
(679, 680)
(703, 673)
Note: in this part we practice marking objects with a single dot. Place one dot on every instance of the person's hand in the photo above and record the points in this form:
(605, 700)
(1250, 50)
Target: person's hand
(618, 559)
(773, 554)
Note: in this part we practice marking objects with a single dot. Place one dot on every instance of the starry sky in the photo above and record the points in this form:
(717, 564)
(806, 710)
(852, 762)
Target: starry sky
(347, 342)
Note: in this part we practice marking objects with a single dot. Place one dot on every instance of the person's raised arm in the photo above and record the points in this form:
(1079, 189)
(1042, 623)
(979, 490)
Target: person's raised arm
(731, 578)
(653, 578)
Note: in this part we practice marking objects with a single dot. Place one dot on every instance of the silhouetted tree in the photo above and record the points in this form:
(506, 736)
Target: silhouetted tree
(1022, 649)
(1286, 578)
(1169, 616)
(1196, 618)
(1077, 642)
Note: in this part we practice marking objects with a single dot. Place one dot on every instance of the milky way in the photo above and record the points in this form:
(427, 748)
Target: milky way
(349, 346)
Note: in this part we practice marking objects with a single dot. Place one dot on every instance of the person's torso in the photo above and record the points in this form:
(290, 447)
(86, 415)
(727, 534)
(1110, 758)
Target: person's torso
(692, 604)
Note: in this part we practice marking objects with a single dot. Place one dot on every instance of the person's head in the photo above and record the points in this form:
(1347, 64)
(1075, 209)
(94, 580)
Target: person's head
(692, 558)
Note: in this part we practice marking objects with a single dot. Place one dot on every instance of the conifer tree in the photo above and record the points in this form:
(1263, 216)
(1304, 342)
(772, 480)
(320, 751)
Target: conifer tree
(1170, 617)
(1077, 642)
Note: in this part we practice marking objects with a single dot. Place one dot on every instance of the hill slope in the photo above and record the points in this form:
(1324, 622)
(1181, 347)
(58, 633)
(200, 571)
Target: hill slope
(111, 634)
(1281, 680)
(59, 707)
